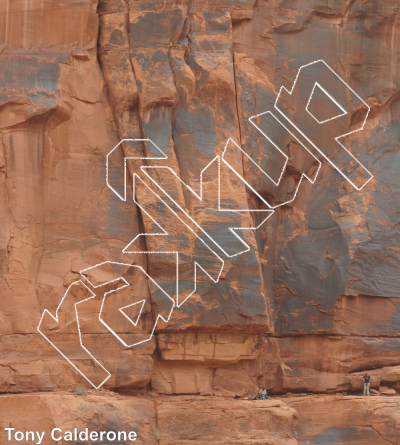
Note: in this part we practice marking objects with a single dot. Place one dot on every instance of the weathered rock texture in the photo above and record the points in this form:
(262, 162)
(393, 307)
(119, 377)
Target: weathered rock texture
(338, 420)
(184, 420)
(316, 299)
(210, 420)
(43, 412)
(164, 421)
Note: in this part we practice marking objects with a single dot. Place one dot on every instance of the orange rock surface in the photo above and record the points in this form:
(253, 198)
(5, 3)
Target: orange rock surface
(340, 420)
(164, 421)
(314, 302)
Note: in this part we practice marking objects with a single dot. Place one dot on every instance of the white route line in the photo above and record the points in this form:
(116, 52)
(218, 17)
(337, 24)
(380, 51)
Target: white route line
(344, 112)
(123, 287)
(338, 137)
(79, 332)
(303, 175)
(163, 157)
(130, 305)
(184, 215)
(200, 198)
(196, 264)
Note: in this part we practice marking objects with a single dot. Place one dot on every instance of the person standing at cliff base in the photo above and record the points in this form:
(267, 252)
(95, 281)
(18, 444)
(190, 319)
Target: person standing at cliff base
(366, 378)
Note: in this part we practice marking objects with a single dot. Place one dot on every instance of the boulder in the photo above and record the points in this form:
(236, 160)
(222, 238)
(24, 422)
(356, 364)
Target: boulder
(384, 390)
(391, 374)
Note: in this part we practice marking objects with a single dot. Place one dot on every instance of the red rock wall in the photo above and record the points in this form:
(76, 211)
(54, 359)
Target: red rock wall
(315, 300)
(351, 420)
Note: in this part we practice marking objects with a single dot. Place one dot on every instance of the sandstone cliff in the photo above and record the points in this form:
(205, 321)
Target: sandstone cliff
(314, 302)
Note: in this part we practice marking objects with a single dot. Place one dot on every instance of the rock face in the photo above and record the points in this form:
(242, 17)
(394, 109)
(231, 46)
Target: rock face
(225, 421)
(168, 421)
(314, 301)
(45, 412)
(184, 420)
(354, 420)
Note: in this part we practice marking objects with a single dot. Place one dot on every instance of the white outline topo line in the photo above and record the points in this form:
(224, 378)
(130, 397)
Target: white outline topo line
(79, 332)
(321, 122)
(181, 214)
(141, 301)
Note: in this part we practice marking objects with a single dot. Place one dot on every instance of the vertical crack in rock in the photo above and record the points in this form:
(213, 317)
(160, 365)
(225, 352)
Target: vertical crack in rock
(316, 299)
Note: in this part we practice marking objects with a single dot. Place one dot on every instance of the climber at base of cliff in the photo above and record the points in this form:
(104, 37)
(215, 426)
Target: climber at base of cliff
(366, 378)
(262, 394)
